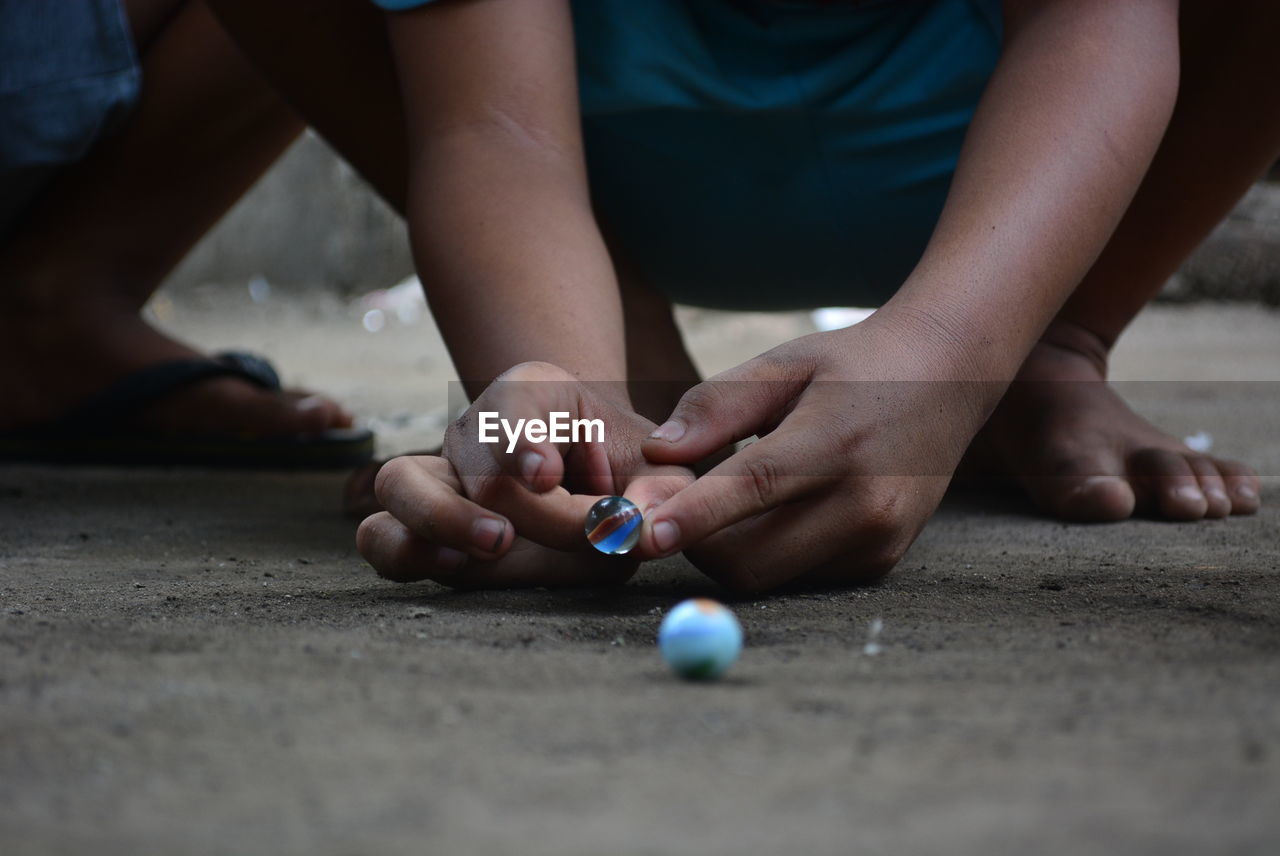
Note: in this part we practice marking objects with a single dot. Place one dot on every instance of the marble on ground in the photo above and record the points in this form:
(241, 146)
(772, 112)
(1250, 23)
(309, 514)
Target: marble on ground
(200, 663)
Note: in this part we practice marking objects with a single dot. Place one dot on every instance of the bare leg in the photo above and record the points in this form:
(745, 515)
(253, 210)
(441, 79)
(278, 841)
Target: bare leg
(332, 61)
(1080, 451)
(73, 279)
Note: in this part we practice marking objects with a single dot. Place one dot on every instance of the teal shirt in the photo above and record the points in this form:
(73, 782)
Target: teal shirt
(764, 154)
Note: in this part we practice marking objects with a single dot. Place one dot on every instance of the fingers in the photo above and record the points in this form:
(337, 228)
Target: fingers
(431, 531)
(402, 556)
(723, 410)
(762, 476)
(482, 517)
(656, 486)
(824, 539)
(423, 495)
(528, 418)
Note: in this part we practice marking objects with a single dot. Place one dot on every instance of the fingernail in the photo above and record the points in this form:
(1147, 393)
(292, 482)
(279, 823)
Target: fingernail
(449, 559)
(1246, 492)
(671, 431)
(665, 534)
(530, 463)
(487, 534)
(1187, 493)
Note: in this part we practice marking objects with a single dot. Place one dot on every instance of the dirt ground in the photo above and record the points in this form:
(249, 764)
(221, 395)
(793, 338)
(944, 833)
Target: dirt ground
(200, 663)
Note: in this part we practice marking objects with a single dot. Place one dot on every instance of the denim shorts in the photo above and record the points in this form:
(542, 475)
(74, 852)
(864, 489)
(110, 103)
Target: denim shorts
(69, 75)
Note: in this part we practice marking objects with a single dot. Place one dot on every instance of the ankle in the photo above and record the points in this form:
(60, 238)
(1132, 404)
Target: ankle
(1068, 340)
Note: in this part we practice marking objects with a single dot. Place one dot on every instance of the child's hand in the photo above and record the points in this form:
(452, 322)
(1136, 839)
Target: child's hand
(432, 531)
(860, 432)
(486, 515)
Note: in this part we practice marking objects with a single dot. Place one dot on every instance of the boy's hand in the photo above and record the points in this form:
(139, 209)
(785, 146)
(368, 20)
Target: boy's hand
(483, 515)
(860, 431)
(432, 531)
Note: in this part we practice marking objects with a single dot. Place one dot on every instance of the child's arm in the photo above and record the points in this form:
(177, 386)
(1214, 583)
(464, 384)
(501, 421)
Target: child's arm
(517, 273)
(498, 207)
(1061, 140)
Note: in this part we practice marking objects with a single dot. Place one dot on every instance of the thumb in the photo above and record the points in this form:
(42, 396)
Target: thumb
(718, 412)
(655, 485)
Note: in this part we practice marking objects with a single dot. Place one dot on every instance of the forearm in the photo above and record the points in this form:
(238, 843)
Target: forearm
(513, 262)
(1057, 148)
(499, 212)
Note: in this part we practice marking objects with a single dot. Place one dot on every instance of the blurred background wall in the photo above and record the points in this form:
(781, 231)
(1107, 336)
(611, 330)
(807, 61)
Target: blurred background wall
(312, 222)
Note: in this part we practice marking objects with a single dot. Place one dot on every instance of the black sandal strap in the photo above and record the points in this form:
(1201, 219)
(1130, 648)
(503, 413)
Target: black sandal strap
(112, 407)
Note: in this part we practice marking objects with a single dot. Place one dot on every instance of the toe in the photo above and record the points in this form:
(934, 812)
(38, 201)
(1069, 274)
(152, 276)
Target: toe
(230, 405)
(1168, 485)
(1212, 485)
(311, 413)
(1242, 485)
(1084, 489)
(1097, 498)
(268, 413)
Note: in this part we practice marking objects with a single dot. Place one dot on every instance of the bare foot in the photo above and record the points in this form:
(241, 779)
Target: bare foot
(51, 363)
(1082, 454)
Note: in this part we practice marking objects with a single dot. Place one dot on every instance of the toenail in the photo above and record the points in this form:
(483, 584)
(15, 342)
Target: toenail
(1218, 494)
(1246, 492)
(1188, 493)
(311, 402)
(1087, 484)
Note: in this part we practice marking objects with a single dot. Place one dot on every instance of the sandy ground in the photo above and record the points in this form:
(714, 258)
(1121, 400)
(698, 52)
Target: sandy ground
(200, 663)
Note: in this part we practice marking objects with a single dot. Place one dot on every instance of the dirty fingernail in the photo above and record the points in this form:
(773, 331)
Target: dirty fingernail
(487, 534)
(670, 431)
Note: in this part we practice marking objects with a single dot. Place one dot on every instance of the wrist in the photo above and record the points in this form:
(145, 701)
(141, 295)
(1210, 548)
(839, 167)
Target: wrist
(944, 344)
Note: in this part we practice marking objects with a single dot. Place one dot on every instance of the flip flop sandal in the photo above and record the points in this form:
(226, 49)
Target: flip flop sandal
(98, 432)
